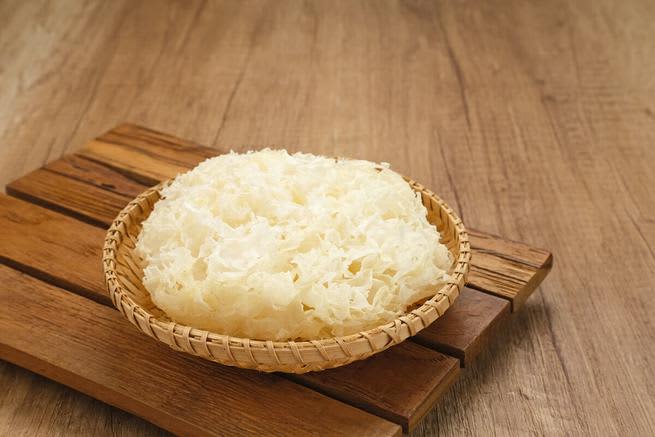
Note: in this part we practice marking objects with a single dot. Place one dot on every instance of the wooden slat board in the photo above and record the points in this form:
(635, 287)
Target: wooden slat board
(133, 158)
(89, 347)
(60, 242)
(68, 253)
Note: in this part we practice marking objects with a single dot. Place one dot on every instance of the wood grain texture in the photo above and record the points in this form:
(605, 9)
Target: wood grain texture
(467, 326)
(96, 174)
(41, 325)
(405, 403)
(136, 155)
(535, 120)
(507, 268)
(52, 190)
(31, 243)
(53, 247)
(31, 401)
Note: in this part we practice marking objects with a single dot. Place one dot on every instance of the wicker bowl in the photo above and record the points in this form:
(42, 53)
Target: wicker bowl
(123, 277)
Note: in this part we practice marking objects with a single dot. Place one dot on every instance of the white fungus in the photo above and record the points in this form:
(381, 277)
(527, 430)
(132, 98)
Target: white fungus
(272, 246)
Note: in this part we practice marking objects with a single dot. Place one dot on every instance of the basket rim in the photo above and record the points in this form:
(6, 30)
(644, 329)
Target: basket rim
(440, 300)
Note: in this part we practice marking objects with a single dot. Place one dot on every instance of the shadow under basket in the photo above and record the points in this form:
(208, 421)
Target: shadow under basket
(123, 277)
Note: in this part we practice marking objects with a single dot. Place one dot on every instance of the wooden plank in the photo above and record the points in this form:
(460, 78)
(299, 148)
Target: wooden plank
(47, 245)
(506, 268)
(145, 154)
(466, 327)
(407, 382)
(133, 162)
(84, 345)
(144, 157)
(53, 247)
(81, 200)
(499, 267)
(97, 174)
(166, 147)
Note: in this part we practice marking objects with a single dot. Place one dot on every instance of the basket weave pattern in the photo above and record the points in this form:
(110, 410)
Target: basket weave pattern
(123, 273)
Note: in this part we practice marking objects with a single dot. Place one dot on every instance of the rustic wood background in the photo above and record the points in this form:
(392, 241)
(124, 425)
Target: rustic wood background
(535, 120)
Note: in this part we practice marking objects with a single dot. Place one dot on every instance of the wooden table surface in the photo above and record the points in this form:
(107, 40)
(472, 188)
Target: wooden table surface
(535, 120)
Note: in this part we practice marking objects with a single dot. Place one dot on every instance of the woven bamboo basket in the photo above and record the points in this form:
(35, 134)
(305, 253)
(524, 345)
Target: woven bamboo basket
(123, 277)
